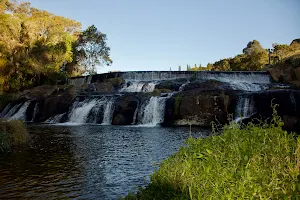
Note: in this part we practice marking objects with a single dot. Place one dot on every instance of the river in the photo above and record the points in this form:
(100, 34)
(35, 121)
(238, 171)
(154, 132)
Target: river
(87, 161)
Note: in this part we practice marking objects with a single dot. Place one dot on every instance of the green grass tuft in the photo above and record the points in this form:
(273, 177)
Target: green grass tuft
(256, 162)
(12, 134)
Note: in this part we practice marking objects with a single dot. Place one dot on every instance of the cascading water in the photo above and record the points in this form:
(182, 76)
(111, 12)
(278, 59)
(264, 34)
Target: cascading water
(108, 113)
(96, 111)
(21, 113)
(55, 119)
(35, 111)
(135, 114)
(138, 87)
(5, 111)
(244, 109)
(81, 110)
(152, 112)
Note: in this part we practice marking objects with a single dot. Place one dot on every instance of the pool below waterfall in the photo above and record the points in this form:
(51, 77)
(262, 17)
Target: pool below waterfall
(87, 161)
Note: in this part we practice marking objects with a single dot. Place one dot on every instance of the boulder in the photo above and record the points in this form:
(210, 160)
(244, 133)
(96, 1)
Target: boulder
(297, 73)
(55, 104)
(104, 87)
(203, 85)
(125, 107)
(172, 85)
(275, 73)
(198, 107)
(39, 92)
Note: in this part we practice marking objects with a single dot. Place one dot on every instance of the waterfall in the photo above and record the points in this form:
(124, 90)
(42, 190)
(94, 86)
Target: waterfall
(96, 111)
(35, 111)
(152, 112)
(181, 88)
(108, 113)
(244, 109)
(135, 114)
(81, 110)
(55, 119)
(5, 111)
(138, 87)
(21, 113)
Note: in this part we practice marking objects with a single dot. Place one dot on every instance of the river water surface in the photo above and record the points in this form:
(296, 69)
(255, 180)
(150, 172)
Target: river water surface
(86, 161)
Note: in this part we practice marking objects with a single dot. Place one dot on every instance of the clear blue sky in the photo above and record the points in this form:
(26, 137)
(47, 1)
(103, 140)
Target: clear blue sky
(159, 34)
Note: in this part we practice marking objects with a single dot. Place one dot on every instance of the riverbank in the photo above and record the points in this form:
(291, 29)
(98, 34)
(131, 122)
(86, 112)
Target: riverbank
(258, 161)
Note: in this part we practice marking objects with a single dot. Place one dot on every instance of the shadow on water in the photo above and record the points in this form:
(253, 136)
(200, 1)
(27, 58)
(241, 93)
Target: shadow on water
(89, 162)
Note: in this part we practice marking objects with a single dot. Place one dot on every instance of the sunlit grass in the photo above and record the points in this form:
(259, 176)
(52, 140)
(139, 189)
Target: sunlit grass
(257, 162)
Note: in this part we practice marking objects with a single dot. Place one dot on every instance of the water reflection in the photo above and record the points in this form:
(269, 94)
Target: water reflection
(89, 162)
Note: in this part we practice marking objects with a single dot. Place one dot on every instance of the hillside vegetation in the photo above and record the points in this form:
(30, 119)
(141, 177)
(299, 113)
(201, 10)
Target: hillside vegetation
(37, 47)
(255, 57)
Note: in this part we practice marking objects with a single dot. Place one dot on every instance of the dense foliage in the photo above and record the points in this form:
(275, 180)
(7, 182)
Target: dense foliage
(37, 45)
(256, 162)
(254, 57)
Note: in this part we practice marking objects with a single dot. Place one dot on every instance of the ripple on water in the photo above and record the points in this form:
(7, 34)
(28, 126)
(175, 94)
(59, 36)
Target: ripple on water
(89, 162)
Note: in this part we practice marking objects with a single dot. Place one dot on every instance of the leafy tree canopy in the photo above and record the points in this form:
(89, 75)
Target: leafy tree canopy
(36, 44)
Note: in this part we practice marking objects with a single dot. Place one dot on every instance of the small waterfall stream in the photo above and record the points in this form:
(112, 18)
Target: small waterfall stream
(244, 109)
(108, 113)
(21, 113)
(80, 111)
(138, 86)
(151, 113)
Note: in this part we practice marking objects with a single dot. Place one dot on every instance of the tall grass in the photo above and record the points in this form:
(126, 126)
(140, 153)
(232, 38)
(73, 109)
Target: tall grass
(256, 162)
(12, 134)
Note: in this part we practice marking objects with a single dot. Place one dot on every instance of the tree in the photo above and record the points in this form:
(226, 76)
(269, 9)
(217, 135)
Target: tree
(92, 50)
(179, 68)
(255, 56)
(35, 44)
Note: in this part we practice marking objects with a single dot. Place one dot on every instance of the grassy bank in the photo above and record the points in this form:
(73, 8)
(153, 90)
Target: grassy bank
(12, 134)
(256, 162)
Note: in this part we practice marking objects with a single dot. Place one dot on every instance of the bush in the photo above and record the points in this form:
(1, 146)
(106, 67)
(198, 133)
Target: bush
(12, 134)
(157, 92)
(256, 162)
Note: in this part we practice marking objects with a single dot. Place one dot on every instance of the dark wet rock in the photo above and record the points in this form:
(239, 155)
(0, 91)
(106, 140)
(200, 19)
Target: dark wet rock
(172, 85)
(57, 103)
(125, 107)
(198, 107)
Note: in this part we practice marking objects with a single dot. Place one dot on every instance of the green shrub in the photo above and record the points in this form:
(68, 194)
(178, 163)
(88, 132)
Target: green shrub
(256, 162)
(4, 143)
(12, 133)
(157, 92)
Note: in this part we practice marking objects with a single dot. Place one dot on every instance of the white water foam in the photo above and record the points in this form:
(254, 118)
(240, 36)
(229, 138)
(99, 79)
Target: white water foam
(21, 113)
(138, 87)
(108, 113)
(55, 119)
(80, 111)
(244, 109)
(152, 113)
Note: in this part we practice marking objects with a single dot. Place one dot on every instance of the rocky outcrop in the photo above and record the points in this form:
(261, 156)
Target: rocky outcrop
(125, 107)
(54, 104)
(200, 104)
(172, 85)
(287, 72)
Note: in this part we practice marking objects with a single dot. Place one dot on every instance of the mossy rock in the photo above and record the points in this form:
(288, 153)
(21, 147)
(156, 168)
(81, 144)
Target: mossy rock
(12, 134)
(157, 92)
